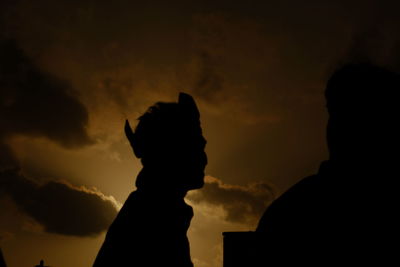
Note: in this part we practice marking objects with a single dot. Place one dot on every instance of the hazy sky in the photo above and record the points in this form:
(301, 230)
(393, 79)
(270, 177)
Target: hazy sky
(71, 72)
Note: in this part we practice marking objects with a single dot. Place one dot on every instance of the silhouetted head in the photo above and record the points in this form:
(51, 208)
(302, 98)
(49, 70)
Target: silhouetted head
(169, 141)
(363, 113)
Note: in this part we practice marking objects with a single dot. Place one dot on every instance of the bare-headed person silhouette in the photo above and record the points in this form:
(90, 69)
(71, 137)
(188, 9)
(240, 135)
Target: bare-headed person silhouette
(344, 215)
(151, 227)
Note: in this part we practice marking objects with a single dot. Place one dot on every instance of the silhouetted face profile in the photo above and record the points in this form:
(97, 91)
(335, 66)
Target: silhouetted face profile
(169, 141)
(363, 114)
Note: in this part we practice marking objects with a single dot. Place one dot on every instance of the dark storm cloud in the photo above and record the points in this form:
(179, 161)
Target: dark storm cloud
(116, 89)
(377, 44)
(59, 207)
(209, 82)
(36, 103)
(7, 158)
(242, 204)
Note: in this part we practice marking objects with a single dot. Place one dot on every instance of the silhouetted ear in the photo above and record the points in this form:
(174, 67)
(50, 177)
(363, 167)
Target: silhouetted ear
(189, 105)
(131, 137)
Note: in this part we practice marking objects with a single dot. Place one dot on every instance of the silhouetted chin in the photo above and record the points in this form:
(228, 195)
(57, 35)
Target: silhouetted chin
(197, 186)
(197, 182)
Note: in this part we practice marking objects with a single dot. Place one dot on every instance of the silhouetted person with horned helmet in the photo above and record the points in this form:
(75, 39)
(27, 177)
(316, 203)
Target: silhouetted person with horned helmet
(150, 229)
(345, 213)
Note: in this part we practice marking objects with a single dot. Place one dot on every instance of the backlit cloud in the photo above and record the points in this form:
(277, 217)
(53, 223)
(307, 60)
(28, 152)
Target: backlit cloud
(242, 204)
(36, 103)
(58, 206)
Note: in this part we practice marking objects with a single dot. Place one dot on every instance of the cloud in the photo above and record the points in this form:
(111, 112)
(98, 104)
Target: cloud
(209, 82)
(378, 44)
(58, 206)
(242, 204)
(7, 158)
(36, 103)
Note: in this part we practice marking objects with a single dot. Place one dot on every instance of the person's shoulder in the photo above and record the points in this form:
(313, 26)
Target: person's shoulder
(131, 208)
(296, 202)
(306, 184)
(304, 188)
(132, 199)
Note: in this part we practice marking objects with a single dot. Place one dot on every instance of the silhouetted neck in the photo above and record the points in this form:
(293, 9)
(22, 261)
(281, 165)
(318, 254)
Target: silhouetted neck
(158, 183)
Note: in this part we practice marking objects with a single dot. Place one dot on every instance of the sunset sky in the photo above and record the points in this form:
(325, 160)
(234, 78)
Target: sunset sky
(71, 72)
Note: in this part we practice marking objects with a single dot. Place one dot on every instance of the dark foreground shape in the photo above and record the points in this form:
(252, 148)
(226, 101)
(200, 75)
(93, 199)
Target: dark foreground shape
(41, 264)
(2, 260)
(238, 249)
(344, 214)
(150, 229)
